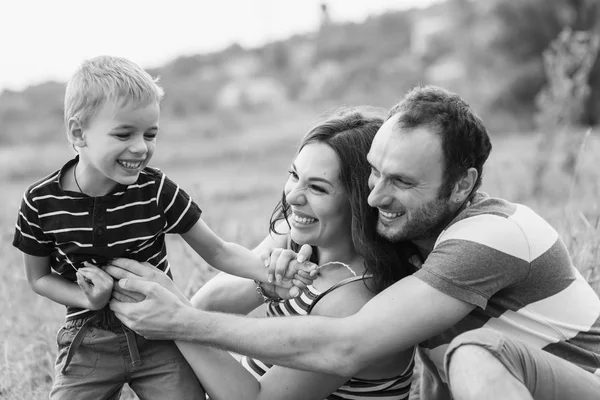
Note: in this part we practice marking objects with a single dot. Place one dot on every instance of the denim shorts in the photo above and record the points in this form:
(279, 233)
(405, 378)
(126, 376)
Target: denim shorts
(107, 355)
(546, 376)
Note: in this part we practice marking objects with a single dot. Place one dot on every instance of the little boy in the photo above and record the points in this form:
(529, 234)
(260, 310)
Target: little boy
(107, 203)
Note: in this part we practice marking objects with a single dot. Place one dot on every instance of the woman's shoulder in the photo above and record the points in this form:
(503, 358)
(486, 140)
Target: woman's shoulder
(346, 298)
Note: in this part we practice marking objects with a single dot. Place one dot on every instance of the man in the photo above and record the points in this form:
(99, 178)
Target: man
(497, 307)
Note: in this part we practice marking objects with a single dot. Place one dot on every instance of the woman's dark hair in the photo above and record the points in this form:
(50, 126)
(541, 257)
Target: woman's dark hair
(350, 133)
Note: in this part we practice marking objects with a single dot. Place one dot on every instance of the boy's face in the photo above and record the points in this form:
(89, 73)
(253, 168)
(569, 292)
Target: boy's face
(119, 143)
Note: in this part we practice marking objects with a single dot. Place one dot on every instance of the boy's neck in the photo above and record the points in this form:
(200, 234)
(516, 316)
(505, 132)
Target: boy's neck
(77, 180)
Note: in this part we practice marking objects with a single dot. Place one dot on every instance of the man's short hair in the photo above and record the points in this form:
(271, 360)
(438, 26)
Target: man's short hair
(107, 78)
(464, 138)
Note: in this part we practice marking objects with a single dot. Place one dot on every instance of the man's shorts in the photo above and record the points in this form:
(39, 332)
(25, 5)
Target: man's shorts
(546, 376)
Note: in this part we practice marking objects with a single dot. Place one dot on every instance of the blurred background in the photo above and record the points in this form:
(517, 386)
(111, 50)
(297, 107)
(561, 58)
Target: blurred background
(244, 80)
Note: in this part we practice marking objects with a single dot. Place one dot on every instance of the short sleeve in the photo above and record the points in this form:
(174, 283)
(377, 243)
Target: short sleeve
(181, 212)
(29, 236)
(477, 257)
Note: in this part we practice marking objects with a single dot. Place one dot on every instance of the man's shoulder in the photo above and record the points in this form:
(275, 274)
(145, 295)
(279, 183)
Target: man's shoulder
(501, 225)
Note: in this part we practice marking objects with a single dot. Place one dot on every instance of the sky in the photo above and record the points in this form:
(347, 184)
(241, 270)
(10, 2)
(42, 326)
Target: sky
(44, 40)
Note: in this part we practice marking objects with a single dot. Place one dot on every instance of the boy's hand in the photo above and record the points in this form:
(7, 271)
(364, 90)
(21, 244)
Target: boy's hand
(287, 268)
(96, 286)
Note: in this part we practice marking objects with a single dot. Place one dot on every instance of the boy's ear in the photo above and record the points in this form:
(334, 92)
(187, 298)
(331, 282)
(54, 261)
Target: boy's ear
(75, 132)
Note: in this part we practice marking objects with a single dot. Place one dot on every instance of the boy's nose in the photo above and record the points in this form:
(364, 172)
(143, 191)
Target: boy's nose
(138, 146)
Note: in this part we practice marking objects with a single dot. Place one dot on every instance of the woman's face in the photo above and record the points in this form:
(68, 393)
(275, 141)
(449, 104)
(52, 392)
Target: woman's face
(319, 206)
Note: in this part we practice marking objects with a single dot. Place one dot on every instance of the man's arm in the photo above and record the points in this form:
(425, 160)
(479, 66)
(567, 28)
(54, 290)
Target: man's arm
(401, 316)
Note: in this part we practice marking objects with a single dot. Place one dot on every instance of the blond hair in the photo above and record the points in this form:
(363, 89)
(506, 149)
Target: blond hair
(107, 78)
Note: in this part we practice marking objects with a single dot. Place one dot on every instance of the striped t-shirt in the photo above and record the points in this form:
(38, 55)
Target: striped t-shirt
(512, 265)
(394, 388)
(130, 221)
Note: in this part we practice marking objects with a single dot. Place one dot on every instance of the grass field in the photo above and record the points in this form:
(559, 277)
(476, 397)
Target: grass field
(237, 180)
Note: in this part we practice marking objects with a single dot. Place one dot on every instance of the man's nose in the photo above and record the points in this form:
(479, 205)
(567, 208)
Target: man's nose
(379, 195)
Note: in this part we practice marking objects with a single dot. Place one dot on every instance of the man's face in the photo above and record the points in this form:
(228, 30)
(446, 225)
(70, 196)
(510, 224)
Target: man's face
(406, 175)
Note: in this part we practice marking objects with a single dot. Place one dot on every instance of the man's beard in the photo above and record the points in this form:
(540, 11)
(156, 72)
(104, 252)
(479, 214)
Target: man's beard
(425, 223)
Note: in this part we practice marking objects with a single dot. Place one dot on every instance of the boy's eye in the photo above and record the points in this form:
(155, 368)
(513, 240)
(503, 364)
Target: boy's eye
(122, 135)
(150, 136)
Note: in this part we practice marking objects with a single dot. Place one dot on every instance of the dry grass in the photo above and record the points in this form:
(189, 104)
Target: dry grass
(237, 180)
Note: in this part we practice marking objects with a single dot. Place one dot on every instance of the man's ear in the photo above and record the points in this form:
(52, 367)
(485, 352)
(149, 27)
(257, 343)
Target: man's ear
(75, 132)
(464, 186)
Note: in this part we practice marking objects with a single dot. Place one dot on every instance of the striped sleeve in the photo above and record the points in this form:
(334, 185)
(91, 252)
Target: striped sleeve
(181, 212)
(29, 236)
(477, 257)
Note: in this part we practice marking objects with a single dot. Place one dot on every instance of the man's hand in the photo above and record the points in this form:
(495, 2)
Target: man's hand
(96, 286)
(124, 268)
(157, 316)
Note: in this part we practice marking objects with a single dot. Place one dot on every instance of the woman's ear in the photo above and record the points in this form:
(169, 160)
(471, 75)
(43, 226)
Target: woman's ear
(75, 132)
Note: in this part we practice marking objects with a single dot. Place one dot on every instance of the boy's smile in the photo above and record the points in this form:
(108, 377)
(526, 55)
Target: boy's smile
(116, 144)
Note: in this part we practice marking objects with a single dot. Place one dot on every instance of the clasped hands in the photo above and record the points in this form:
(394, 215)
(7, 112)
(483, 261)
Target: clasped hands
(149, 302)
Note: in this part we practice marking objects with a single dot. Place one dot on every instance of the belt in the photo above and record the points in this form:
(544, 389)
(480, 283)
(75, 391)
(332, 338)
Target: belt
(105, 317)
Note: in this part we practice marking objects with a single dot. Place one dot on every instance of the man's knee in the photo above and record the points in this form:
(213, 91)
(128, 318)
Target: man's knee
(471, 344)
(476, 362)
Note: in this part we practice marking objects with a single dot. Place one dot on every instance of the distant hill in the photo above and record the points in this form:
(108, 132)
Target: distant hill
(456, 44)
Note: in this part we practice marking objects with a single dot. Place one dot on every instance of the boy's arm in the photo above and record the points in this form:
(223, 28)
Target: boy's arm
(225, 256)
(84, 294)
(233, 258)
(233, 294)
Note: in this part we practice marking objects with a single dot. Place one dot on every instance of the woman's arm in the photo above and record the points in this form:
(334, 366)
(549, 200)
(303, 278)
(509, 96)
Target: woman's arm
(224, 378)
(227, 293)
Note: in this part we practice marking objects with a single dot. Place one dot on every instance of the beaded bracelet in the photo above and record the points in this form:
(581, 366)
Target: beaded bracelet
(267, 297)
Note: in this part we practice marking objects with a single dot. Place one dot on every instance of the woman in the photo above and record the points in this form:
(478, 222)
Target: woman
(324, 205)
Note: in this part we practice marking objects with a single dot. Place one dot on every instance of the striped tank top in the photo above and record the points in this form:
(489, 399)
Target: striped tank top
(395, 388)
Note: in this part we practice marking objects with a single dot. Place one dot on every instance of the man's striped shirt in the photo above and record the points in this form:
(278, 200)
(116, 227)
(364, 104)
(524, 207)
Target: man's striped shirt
(512, 265)
(130, 221)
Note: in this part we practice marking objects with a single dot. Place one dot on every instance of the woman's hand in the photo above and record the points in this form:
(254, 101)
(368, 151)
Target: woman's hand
(124, 268)
(285, 264)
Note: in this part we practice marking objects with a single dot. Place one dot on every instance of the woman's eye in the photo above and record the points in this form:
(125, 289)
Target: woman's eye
(293, 174)
(317, 189)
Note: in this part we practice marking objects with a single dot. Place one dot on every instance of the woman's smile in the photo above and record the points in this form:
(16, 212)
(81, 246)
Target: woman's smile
(302, 221)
